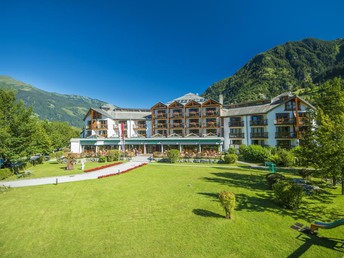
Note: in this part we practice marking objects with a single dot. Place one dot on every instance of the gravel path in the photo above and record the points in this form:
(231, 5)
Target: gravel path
(77, 177)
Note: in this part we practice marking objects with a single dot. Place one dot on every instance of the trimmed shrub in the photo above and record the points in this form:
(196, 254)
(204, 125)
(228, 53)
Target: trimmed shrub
(5, 173)
(230, 158)
(254, 153)
(173, 155)
(227, 200)
(232, 150)
(288, 194)
(113, 155)
(101, 159)
(273, 178)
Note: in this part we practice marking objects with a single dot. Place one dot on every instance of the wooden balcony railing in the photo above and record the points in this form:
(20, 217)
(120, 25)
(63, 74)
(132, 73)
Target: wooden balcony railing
(194, 125)
(100, 127)
(193, 114)
(161, 125)
(258, 122)
(177, 114)
(211, 124)
(236, 123)
(211, 113)
(284, 121)
(285, 135)
(260, 135)
(161, 115)
(177, 125)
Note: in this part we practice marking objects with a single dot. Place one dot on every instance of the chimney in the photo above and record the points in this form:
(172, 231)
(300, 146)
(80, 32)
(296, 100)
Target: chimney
(221, 99)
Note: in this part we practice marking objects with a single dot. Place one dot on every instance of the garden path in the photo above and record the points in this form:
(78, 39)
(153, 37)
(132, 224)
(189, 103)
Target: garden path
(77, 177)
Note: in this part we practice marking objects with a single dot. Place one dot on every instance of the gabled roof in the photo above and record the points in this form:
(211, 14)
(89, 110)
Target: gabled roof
(175, 104)
(192, 103)
(211, 102)
(187, 98)
(159, 105)
(98, 110)
(262, 109)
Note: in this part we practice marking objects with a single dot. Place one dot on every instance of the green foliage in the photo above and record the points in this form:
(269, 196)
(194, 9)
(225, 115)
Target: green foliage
(230, 158)
(113, 155)
(52, 106)
(288, 194)
(227, 200)
(5, 173)
(288, 67)
(273, 178)
(102, 159)
(306, 173)
(254, 153)
(173, 155)
(323, 144)
(232, 150)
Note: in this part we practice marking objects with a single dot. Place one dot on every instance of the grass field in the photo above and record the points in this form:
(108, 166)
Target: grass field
(164, 211)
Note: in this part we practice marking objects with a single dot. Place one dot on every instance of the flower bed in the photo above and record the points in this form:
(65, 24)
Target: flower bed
(122, 172)
(101, 167)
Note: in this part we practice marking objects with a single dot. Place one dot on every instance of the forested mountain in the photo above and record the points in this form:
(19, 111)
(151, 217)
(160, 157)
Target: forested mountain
(49, 105)
(288, 67)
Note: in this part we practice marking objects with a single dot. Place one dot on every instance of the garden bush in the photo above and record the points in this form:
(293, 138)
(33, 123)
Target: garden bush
(232, 150)
(101, 159)
(230, 158)
(287, 158)
(113, 155)
(227, 200)
(254, 153)
(288, 194)
(173, 155)
(5, 173)
(273, 178)
(306, 173)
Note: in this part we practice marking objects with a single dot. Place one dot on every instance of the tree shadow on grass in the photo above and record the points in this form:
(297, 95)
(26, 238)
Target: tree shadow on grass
(214, 196)
(206, 213)
(250, 181)
(309, 240)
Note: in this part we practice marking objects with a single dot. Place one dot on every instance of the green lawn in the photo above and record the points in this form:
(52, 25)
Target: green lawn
(164, 211)
(52, 168)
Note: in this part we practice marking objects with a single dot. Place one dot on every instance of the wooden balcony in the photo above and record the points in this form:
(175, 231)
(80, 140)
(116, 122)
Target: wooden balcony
(304, 121)
(194, 125)
(161, 116)
(263, 122)
(177, 125)
(140, 127)
(237, 135)
(210, 113)
(287, 135)
(285, 121)
(194, 114)
(236, 123)
(161, 125)
(177, 115)
(260, 135)
(99, 127)
(211, 125)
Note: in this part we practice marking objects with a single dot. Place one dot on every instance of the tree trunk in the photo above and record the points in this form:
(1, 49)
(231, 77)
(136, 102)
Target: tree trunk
(334, 181)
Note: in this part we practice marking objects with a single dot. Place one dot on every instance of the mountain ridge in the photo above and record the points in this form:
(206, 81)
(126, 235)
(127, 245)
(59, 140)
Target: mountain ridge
(288, 67)
(52, 106)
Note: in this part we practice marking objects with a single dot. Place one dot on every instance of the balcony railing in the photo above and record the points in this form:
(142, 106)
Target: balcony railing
(177, 125)
(194, 125)
(177, 114)
(211, 124)
(161, 125)
(236, 123)
(236, 135)
(161, 115)
(284, 121)
(211, 113)
(304, 121)
(140, 127)
(285, 135)
(260, 135)
(193, 114)
(258, 122)
(100, 127)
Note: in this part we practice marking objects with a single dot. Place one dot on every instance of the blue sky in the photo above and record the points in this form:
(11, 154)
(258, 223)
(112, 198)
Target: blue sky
(136, 53)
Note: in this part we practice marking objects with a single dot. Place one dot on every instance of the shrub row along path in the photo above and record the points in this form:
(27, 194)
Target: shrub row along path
(77, 177)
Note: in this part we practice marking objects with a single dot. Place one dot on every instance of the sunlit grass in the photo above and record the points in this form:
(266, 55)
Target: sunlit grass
(163, 211)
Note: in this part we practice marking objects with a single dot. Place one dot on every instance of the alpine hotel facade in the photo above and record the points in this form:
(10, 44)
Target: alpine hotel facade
(194, 124)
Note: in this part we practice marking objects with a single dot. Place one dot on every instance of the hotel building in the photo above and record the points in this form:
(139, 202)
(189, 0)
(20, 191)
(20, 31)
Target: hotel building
(194, 124)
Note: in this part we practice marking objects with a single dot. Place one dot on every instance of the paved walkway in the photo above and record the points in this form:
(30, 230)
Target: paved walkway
(77, 177)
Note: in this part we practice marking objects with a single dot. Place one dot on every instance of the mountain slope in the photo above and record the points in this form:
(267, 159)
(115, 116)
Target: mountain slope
(287, 67)
(52, 106)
